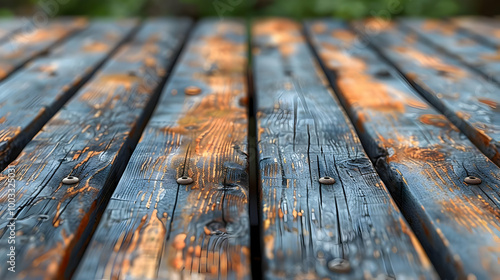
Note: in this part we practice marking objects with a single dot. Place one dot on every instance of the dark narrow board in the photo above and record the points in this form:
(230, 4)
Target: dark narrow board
(32, 95)
(154, 228)
(462, 95)
(486, 30)
(33, 40)
(422, 156)
(92, 138)
(450, 39)
(303, 134)
(9, 26)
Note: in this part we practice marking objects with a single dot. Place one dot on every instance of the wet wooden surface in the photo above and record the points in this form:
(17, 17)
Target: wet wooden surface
(155, 228)
(460, 93)
(91, 138)
(78, 98)
(423, 156)
(32, 95)
(303, 135)
(33, 40)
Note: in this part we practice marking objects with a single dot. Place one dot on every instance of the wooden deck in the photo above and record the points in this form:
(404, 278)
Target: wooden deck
(272, 149)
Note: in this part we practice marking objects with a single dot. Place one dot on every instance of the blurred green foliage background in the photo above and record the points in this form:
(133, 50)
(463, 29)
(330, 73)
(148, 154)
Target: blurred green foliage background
(347, 9)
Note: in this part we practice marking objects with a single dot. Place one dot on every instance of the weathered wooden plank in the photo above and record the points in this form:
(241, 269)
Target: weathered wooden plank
(33, 41)
(92, 138)
(154, 228)
(467, 99)
(420, 154)
(449, 39)
(486, 30)
(304, 135)
(32, 95)
(9, 26)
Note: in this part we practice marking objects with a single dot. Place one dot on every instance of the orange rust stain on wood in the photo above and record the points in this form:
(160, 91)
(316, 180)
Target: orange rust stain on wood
(70, 193)
(411, 38)
(8, 133)
(117, 80)
(319, 27)
(56, 31)
(481, 135)
(492, 104)
(3, 70)
(48, 68)
(149, 248)
(436, 120)
(377, 24)
(360, 88)
(281, 33)
(130, 242)
(227, 55)
(471, 213)
(425, 154)
(495, 56)
(344, 35)
(405, 149)
(210, 125)
(95, 47)
(52, 257)
(442, 27)
(431, 62)
(269, 246)
(417, 104)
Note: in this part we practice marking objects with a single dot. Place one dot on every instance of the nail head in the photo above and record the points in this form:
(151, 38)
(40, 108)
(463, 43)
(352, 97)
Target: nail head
(339, 265)
(327, 180)
(472, 180)
(184, 180)
(70, 180)
(192, 90)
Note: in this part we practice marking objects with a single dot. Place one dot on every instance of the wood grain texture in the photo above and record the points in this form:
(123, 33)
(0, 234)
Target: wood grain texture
(154, 228)
(32, 95)
(464, 97)
(422, 156)
(303, 135)
(486, 30)
(91, 138)
(451, 40)
(33, 40)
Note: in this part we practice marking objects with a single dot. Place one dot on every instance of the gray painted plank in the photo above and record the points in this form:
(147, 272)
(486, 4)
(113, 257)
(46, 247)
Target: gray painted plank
(92, 138)
(304, 134)
(32, 95)
(420, 154)
(33, 40)
(486, 30)
(462, 95)
(451, 40)
(154, 228)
